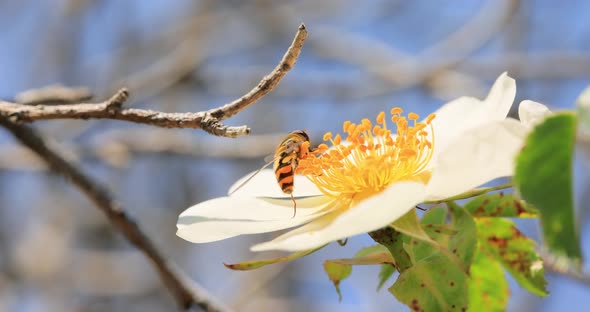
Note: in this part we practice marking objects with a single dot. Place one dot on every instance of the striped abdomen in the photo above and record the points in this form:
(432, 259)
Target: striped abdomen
(284, 172)
(286, 159)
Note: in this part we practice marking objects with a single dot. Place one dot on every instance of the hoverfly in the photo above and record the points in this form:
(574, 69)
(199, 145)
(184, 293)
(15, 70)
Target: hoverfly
(285, 160)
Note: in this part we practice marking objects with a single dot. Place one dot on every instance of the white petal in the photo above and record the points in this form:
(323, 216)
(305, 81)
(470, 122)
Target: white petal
(477, 157)
(264, 184)
(466, 113)
(225, 217)
(244, 208)
(531, 113)
(371, 214)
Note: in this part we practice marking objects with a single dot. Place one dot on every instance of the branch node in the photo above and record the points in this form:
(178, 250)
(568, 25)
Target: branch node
(213, 126)
(117, 100)
(209, 120)
(268, 83)
(15, 117)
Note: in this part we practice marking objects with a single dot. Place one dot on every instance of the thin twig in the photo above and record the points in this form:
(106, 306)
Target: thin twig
(184, 291)
(563, 267)
(208, 121)
(472, 193)
(112, 109)
(53, 95)
(117, 148)
(268, 83)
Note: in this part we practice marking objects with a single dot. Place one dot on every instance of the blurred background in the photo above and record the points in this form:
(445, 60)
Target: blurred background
(59, 253)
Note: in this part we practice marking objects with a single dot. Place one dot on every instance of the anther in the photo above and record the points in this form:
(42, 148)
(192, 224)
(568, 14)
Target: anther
(345, 125)
(350, 129)
(396, 111)
(377, 130)
(381, 118)
(430, 118)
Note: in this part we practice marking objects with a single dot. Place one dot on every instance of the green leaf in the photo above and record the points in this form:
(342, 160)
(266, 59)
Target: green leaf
(374, 249)
(434, 225)
(488, 288)
(377, 258)
(410, 225)
(437, 215)
(337, 272)
(376, 254)
(544, 177)
(463, 243)
(339, 269)
(255, 264)
(501, 239)
(457, 240)
(500, 205)
(437, 281)
(386, 272)
(433, 284)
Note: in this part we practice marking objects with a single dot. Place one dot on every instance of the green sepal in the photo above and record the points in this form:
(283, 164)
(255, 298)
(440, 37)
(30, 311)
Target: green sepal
(255, 264)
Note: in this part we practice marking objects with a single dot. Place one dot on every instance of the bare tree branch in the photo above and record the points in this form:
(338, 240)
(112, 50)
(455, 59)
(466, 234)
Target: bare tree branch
(184, 291)
(208, 121)
(268, 83)
(118, 147)
(112, 109)
(53, 95)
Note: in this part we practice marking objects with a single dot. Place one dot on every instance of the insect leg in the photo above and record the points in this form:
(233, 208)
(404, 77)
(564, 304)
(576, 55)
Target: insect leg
(421, 208)
(294, 206)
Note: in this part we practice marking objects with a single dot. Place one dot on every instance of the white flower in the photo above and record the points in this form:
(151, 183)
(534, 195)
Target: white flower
(375, 177)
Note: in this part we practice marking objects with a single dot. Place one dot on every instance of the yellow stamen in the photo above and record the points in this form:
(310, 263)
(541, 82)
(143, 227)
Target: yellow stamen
(381, 118)
(304, 149)
(351, 127)
(372, 159)
(337, 140)
(430, 118)
(396, 111)
(322, 148)
(345, 126)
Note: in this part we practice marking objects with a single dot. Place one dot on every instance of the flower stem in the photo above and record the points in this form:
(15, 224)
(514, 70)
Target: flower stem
(472, 193)
(393, 241)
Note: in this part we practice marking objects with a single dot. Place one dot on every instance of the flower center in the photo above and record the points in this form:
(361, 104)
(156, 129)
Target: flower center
(371, 158)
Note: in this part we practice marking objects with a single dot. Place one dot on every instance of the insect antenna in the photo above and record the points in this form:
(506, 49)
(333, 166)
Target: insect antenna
(250, 177)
